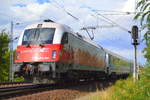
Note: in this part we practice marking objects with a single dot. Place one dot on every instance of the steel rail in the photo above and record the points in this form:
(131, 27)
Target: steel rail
(7, 92)
(10, 84)
(15, 91)
(20, 82)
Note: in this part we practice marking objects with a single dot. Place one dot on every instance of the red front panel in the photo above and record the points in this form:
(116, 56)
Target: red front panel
(37, 53)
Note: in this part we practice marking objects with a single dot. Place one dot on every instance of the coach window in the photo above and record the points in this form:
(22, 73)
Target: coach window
(64, 38)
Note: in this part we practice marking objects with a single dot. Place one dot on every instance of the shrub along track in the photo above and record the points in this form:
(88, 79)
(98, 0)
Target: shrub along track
(69, 91)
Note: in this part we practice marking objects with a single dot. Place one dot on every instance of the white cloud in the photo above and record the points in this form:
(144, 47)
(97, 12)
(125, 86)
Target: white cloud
(30, 12)
(129, 6)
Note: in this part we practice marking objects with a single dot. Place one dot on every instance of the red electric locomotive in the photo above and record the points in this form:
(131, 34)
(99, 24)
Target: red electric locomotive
(51, 51)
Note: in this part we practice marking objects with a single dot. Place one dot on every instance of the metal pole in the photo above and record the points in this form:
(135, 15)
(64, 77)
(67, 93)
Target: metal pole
(135, 74)
(134, 67)
(11, 74)
(135, 43)
(136, 64)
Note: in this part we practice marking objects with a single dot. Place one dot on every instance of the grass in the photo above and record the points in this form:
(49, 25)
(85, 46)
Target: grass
(126, 89)
(18, 79)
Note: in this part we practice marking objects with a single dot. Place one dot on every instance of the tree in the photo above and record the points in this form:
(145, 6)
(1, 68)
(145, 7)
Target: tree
(4, 56)
(144, 16)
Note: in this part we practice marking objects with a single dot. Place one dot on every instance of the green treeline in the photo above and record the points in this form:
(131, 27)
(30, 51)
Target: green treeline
(4, 56)
(144, 17)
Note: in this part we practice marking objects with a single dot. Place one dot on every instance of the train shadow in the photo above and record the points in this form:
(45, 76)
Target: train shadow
(93, 86)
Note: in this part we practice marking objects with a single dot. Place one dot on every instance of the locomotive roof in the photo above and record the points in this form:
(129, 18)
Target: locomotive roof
(51, 25)
(62, 26)
(107, 51)
(87, 40)
(118, 56)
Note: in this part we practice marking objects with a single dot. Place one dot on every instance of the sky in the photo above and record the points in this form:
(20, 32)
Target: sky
(115, 39)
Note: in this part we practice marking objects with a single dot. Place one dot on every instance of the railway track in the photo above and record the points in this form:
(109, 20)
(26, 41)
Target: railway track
(69, 91)
(17, 91)
(14, 91)
(10, 84)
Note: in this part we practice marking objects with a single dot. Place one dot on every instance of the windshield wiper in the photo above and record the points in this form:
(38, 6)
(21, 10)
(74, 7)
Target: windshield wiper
(41, 43)
(28, 44)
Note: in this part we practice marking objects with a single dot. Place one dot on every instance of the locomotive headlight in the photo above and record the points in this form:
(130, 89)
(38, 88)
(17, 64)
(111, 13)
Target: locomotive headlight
(17, 55)
(53, 54)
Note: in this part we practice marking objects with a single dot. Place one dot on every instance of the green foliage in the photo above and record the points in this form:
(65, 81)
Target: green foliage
(18, 78)
(121, 62)
(144, 7)
(147, 53)
(144, 16)
(128, 89)
(4, 56)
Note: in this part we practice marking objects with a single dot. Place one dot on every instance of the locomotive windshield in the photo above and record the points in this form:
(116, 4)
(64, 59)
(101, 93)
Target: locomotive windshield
(38, 36)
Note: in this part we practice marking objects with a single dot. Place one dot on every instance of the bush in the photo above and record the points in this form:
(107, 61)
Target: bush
(4, 56)
(129, 90)
(18, 79)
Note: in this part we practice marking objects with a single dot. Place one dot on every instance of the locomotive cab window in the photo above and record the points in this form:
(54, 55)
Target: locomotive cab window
(64, 38)
(38, 35)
